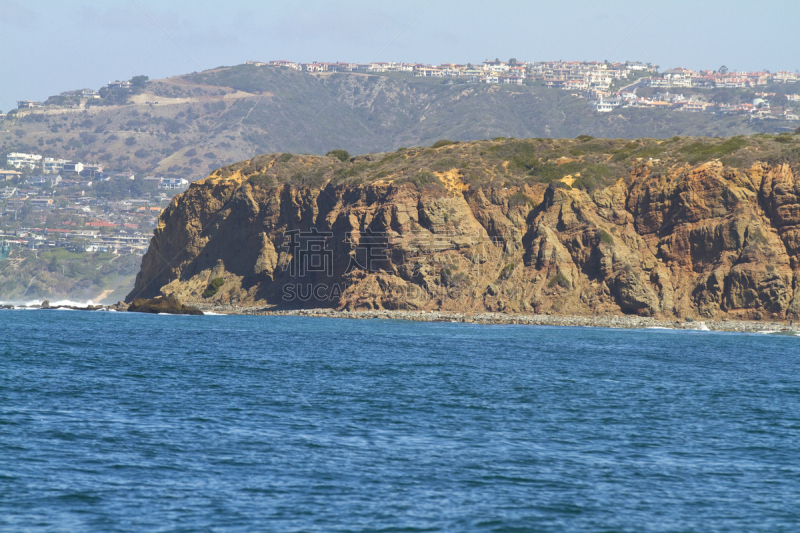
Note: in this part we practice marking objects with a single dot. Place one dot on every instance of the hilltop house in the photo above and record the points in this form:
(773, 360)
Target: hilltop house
(119, 85)
(28, 104)
(44, 181)
(284, 63)
(19, 160)
(51, 165)
(9, 174)
(73, 167)
(169, 184)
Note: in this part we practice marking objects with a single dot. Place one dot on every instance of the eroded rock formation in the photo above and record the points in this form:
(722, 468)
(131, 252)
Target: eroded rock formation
(679, 240)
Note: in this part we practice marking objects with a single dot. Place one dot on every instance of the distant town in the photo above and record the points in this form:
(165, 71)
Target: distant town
(606, 85)
(48, 201)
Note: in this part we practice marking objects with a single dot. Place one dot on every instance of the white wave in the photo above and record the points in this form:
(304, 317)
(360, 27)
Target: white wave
(697, 326)
(53, 303)
(72, 303)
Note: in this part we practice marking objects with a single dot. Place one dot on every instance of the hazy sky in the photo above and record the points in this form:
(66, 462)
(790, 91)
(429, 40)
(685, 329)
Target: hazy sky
(53, 46)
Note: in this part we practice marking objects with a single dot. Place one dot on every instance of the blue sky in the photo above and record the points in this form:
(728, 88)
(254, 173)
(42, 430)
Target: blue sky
(53, 46)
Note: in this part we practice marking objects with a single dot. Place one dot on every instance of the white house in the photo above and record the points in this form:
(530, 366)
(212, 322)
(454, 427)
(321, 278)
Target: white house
(119, 85)
(605, 106)
(19, 160)
(516, 80)
(171, 184)
(73, 167)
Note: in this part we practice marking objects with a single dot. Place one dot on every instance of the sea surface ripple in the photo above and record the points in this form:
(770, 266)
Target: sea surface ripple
(127, 422)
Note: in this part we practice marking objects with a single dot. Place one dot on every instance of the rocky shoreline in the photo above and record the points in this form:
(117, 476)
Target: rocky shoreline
(607, 321)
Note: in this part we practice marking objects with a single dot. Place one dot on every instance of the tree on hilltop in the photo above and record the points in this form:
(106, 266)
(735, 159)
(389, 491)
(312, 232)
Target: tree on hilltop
(341, 155)
(723, 69)
(139, 81)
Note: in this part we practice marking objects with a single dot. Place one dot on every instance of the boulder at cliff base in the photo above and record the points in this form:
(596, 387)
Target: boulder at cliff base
(162, 304)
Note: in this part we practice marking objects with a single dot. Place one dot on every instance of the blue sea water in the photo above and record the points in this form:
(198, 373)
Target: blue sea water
(127, 422)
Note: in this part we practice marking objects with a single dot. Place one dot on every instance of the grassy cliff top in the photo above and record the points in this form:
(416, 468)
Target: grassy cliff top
(585, 162)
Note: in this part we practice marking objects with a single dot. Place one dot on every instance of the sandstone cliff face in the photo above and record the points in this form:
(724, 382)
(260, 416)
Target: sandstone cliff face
(693, 240)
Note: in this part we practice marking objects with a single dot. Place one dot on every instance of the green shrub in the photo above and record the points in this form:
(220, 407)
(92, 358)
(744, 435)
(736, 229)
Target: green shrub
(605, 237)
(341, 155)
(424, 180)
(649, 152)
(521, 155)
(213, 287)
(261, 179)
(701, 151)
(285, 158)
(519, 199)
(347, 173)
(560, 280)
(443, 142)
(444, 164)
(506, 272)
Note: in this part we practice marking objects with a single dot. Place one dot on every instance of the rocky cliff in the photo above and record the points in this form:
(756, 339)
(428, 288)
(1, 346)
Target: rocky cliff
(680, 228)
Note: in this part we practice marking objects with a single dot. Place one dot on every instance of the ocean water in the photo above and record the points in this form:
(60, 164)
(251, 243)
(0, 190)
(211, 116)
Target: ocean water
(127, 422)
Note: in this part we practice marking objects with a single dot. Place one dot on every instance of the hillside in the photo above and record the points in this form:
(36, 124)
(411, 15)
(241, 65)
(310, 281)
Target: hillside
(187, 125)
(684, 227)
(58, 274)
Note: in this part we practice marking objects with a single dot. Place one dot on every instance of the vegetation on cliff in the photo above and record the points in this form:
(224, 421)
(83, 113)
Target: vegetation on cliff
(585, 163)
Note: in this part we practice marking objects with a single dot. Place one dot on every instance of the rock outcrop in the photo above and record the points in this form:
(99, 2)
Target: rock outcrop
(476, 227)
(162, 305)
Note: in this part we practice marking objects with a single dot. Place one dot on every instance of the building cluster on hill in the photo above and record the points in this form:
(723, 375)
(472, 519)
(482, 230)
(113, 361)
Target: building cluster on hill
(57, 207)
(608, 85)
(78, 223)
(681, 78)
(123, 240)
(36, 218)
(594, 80)
(759, 108)
(77, 174)
(77, 97)
(574, 75)
(553, 73)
